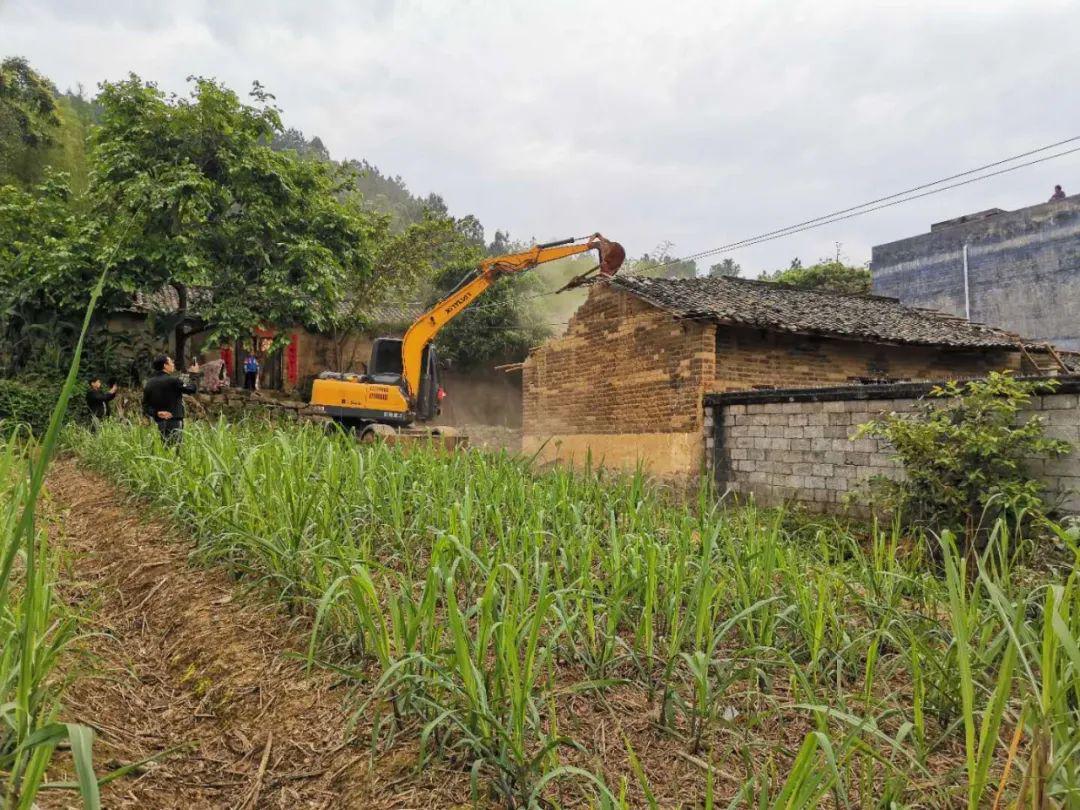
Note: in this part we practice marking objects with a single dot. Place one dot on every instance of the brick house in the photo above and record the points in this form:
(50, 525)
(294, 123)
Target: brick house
(627, 380)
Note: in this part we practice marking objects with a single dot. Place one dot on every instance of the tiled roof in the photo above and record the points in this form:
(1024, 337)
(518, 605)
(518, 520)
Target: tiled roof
(167, 300)
(385, 314)
(781, 307)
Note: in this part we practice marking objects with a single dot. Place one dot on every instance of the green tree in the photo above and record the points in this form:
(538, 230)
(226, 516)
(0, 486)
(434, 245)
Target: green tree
(29, 120)
(404, 264)
(830, 276)
(52, 247)
(727, 268)
(244, 234)
(661, 264)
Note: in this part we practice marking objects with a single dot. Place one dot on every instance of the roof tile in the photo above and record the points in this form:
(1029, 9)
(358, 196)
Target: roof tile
(771, 305)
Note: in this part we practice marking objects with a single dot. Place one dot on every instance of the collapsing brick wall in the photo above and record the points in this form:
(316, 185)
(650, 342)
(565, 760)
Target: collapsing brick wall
(797, 446)
(625, 384)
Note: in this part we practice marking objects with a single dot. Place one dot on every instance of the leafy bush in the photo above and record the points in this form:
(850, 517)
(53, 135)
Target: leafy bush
(965, 453)
(29, 402)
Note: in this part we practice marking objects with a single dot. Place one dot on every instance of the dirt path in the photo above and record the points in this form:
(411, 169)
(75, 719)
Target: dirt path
(181, 655)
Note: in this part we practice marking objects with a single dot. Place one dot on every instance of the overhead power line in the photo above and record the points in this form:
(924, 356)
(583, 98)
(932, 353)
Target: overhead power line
(896, 199)
(888, 201)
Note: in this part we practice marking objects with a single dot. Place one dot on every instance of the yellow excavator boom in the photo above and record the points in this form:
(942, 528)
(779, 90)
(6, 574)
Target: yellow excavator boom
(424, 328)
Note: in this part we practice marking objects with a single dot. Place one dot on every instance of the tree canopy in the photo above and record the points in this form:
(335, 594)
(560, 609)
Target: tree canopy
(831, 276)
(260, 233)
(661, 264)
(728, 268)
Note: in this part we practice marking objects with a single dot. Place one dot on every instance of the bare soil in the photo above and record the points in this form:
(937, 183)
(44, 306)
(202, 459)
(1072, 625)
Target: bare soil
(177, 656)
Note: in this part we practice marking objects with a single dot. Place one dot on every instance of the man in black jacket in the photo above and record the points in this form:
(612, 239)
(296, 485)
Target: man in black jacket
(163, 399)
(98, 399)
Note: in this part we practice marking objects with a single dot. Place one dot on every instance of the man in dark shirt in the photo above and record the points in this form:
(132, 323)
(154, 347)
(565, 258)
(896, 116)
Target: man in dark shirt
(163, 399)
(1059, 194)
(98, 399)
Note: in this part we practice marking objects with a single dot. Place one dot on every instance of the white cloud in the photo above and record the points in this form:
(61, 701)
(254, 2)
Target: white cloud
(695, 122)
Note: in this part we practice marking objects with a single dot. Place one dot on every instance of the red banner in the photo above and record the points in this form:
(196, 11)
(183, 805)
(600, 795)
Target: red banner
(226, 355)
(292, 359)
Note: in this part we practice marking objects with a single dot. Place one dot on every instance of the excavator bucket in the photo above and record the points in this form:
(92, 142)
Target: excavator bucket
(612, 256)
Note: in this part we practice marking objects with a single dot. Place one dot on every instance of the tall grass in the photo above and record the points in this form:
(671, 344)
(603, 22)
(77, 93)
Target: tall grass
(34, 628)
(478, 601)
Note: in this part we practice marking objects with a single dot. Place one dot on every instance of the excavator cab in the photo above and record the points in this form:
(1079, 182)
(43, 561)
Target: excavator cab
(386, 368)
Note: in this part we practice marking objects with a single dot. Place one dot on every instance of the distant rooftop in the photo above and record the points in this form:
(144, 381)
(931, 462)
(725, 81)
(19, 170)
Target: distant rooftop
(989, 212)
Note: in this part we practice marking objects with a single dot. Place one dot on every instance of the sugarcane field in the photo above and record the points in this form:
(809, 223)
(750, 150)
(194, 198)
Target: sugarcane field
(417, 405)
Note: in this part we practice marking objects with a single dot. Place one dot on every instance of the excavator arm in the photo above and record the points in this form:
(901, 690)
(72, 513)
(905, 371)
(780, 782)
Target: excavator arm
(425, 327)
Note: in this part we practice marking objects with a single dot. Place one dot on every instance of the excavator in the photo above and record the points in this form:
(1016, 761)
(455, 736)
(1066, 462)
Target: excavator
(400, 385)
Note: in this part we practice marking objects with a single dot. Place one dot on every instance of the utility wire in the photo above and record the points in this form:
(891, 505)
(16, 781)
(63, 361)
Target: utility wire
(871, 205)
(888, 201)
(757, 240)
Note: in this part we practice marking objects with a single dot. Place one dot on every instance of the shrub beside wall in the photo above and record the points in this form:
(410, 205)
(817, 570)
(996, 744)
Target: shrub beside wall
(30, 402)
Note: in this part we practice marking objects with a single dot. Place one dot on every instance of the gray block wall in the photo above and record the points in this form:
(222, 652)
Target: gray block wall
(805, 452)
(1023, 270)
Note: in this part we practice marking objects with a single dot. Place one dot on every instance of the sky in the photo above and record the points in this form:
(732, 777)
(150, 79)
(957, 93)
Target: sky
(694, 124)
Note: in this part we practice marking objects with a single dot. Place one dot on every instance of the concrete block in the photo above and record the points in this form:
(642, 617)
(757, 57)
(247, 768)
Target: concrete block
(1056, 416)
(1065, 432)
(1057, 466)
(864, 445)
(1059, 402)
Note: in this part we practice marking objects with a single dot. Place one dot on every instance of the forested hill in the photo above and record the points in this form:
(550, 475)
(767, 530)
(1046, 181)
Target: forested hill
(280, 236)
